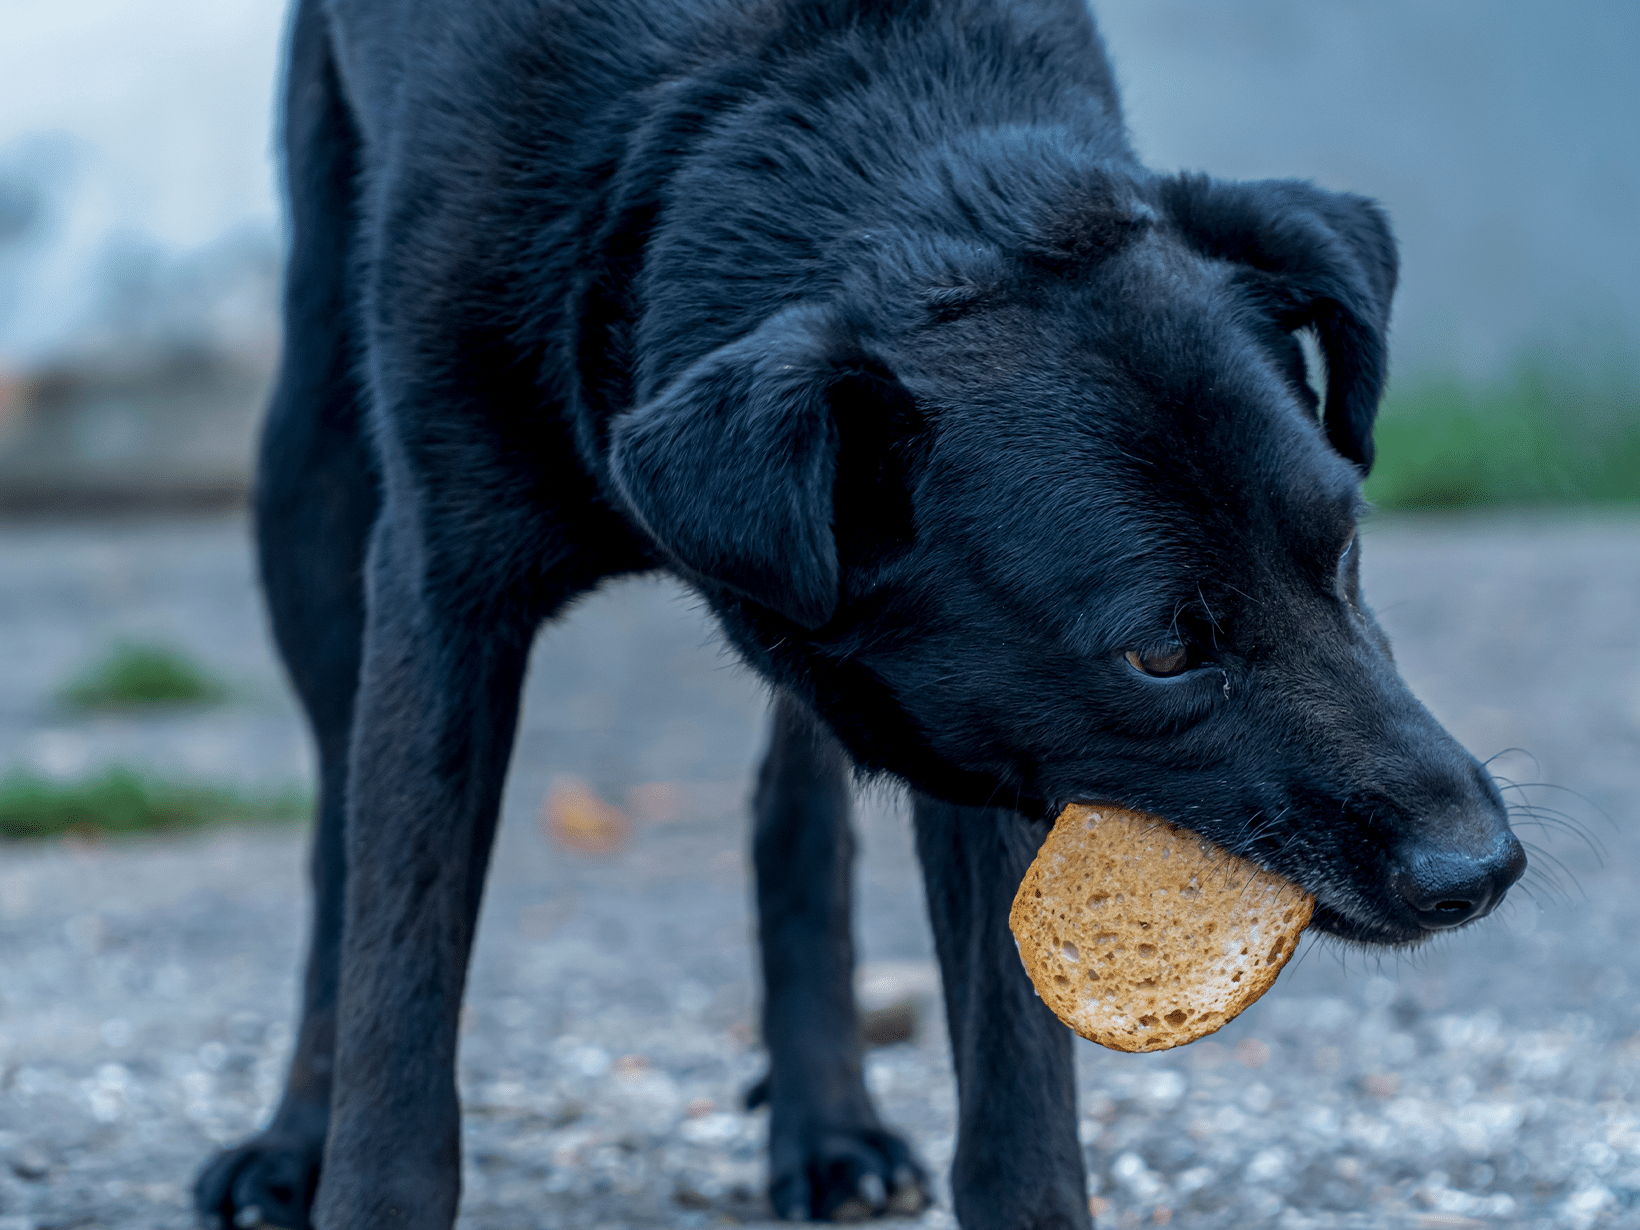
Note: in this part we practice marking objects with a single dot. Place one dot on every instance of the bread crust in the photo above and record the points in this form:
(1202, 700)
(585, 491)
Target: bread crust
(1142, 935)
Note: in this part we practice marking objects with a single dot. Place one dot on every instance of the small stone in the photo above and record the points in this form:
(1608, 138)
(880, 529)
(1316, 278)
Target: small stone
(889, 1025)
(29, 1163)
(1381, 1084)
(689, 1198)
(1253, 1052)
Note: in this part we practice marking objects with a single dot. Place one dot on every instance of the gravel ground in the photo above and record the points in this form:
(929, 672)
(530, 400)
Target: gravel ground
(146, 986)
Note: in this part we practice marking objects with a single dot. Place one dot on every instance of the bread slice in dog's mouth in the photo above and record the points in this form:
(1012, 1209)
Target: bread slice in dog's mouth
(1142, 935)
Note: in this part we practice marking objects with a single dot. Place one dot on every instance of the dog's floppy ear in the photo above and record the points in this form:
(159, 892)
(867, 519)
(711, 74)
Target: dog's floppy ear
(1325, 260)
(731, 467)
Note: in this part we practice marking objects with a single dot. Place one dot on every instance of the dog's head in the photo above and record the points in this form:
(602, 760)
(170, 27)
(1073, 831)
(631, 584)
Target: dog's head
(1061, 517)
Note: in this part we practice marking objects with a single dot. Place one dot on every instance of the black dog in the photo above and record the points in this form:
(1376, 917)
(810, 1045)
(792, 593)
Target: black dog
(992, 450)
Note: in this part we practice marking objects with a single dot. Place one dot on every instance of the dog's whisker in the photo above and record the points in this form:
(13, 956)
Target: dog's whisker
(1549, 824)
(1566, 820)
(1525, 887)
(1549, 878)
(1522, 788)
(1543, 854)
(1558, 823)
(1543, 894)
(1576, 794)
(1509, 751)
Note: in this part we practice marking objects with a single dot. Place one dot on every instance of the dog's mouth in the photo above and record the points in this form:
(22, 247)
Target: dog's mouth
(1353, 916)
(1346, 911)
(1373, 932)
(1373, 905)
(1370, 891)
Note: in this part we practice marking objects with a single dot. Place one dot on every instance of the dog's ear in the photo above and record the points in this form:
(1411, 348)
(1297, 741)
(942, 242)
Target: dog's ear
(1324, 261)
(734, 469)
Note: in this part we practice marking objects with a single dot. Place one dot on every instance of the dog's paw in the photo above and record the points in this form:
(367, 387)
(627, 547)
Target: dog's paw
(845, 1174)
(268, 1181)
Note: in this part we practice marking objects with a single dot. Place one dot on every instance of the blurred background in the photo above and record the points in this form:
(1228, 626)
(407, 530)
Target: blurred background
(140, 234)
(154, 773)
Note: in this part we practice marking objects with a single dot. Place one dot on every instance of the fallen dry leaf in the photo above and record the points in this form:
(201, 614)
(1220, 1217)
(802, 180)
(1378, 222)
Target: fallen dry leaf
(577, 819)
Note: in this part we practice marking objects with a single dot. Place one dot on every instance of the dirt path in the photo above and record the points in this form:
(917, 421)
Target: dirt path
(145, 988)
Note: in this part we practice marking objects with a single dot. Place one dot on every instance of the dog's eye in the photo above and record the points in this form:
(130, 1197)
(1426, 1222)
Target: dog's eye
(1168, 660)
(1348, 547)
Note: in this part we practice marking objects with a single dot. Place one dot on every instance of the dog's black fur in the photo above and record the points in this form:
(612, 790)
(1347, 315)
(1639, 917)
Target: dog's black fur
(991, 450)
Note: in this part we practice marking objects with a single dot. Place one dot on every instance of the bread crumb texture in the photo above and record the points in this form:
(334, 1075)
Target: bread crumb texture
(1142, 936)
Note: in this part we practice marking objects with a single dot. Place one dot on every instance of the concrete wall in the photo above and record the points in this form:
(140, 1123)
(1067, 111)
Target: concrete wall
(1502, 135)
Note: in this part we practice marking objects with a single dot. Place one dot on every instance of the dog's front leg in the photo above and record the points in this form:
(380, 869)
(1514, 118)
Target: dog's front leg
(829, 1154)
(1018, 1165)
(434, 721)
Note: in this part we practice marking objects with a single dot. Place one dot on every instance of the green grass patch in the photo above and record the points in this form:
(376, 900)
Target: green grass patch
(1545, 434)
(133, 675)
(122, 800)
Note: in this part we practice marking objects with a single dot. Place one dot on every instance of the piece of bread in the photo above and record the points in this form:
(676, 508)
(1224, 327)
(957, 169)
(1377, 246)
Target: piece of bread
(1141, 935)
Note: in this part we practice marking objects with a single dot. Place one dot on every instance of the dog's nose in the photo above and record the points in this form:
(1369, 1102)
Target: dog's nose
(1446, 888)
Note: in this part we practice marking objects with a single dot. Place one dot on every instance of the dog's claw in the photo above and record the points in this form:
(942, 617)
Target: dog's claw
(845, 1175)
(266, 1183)
(870, 1195)
(851, 1210)
(907, 1198)
(873, 1191)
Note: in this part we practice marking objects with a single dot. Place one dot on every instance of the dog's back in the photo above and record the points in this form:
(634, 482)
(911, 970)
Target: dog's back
(673, 172)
